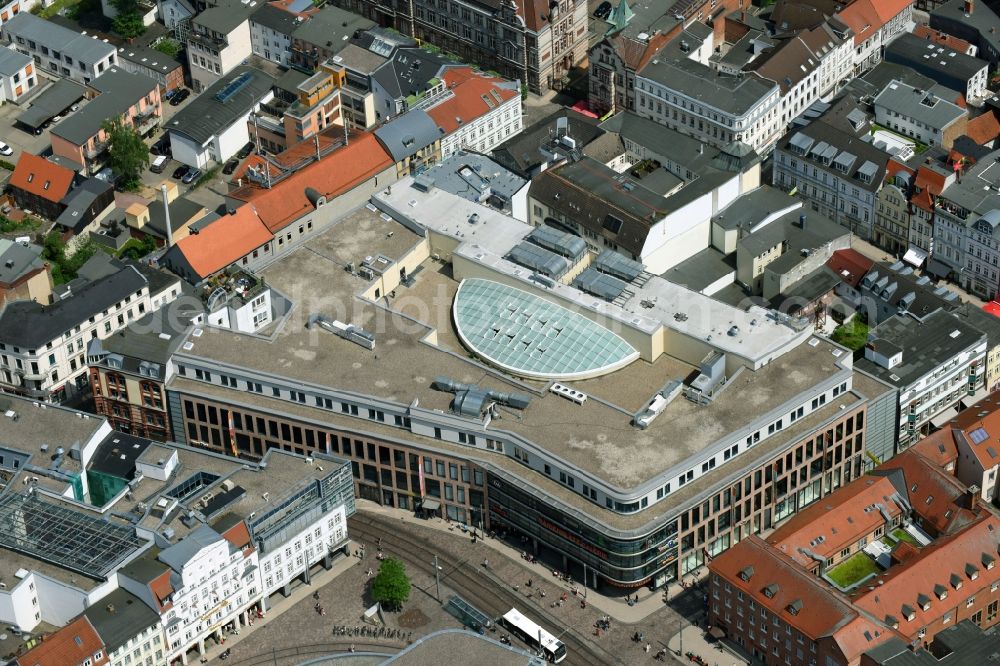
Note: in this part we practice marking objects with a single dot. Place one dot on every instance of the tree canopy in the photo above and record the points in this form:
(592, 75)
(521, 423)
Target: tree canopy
(391, 586)
(128, 154)
(128, 21)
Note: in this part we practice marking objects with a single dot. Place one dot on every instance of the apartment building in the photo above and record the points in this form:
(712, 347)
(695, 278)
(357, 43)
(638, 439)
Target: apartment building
(891, 230)
(973, 436)
(17, 75)
(132, 99)
(271, 27)
(946, 66)
(687, 96)
(935, 364)
(317, 106)
(874, 24)
(42, 347)
(218, 42)
(168, 72)
(536, 43)
(475, 111)
(58, 51)
(834, 170)
(320, 36)
(131, 633)
(920, 114)
(23, 273)
(972, 21)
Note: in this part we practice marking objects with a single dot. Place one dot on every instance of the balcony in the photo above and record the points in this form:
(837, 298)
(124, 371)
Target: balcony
(146, 121)
(97, 150)
(207, 40)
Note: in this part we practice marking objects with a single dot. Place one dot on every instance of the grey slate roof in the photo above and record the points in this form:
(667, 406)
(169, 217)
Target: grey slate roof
(408, 133)
(32, 325)
(926, 107)
(520, 154)
(79, 200)
(981, 26)
(821, 131)
(275, 18)
(223, 19)
(181, 210)
(359, 59)
(408, 71)
(119, 91)
(22, 259)
(908, 49)
(817, 231)
(471, 176)
(177, 555)
(12, 62)
(753, 207)
(119, 617)
(330, 27)
(735, 95)
(150, 58)
(925, 345)
(205, 116)
(66, 41)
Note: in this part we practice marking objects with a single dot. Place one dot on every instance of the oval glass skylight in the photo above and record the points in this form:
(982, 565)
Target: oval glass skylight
(531, 337)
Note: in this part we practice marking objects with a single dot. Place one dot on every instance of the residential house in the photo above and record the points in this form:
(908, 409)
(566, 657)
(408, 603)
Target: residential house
(12, 8)
(920, 114)
(168, 72)
(982, 319)
(833, 169)
(976, 435)
(924, 31)
(213, 126)
(891, 230)
(271, 28)
(874, 24)
(534, 42)
(197, 585)
(42, 345)
(40, 185)
(929, 181)
(946, 66)
(686, 95)
(87, 205)
(934, 363)
(58, 51)
(321, 35)
(413, 140)
(317, 105)
(851, 266)
(133, 99)
(24, 275)
(358, 97)
(17, 75)
(128, 373)
(972, 21)
(76, 643)
(477, 112)
(217, 43)
(218, 241)
(130, 631)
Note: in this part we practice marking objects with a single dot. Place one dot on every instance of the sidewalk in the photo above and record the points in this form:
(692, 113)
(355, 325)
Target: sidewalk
(649, 601)
(278, 604)
(694, 641)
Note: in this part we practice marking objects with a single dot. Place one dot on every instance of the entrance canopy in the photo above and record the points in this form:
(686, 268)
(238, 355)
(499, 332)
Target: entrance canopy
(915, 256)
(430, 505)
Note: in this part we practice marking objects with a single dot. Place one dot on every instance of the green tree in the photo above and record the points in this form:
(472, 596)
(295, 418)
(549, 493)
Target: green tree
(391, 586)
(128, 22)
(128, 154)
(853, 334)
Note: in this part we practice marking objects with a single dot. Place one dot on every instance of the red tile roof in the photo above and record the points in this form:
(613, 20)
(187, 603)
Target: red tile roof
(935, 495)
(74, 643)
(984, 128)
(866, 17)
(161, 589)
(984, 416)
(224, 241)
(938, 448)
(333, 175)
(942, 38)
(928, 184)
(915, 580)
(822, 613)
(467, 101)
(41, 177)
(850, 265)
(833, 523)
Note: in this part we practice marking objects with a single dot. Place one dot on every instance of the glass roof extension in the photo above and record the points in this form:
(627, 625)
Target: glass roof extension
(531, 337)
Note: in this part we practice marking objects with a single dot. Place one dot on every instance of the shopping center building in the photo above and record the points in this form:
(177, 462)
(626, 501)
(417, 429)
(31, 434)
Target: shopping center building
(475, 368)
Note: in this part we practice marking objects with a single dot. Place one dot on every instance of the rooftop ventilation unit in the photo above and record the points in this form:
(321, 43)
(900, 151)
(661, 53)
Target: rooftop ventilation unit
(579, 397)
(348, 332)
(471, 400)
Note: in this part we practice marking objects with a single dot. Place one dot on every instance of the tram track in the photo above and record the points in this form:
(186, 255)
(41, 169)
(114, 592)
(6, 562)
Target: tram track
(475, 584)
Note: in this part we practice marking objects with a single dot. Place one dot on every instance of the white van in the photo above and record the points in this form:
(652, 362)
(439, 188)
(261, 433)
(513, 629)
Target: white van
(159, 164)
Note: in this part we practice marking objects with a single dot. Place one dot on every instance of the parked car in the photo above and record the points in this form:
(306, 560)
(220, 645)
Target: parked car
(230, 166)
(181, 171)
(191, 176)
(162, 147)
(246, 150)
(5, 150)
(603, 10)
(159, 164)
(179, 97)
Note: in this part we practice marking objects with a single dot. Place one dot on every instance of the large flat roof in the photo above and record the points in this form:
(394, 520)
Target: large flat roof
(595, 437)
(207, 114)
(34, 424)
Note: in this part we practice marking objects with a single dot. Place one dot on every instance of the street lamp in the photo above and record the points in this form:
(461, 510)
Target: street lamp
(437, 579)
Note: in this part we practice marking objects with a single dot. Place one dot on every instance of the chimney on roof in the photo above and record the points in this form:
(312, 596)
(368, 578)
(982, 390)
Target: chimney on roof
(969, 6)
(166, 215)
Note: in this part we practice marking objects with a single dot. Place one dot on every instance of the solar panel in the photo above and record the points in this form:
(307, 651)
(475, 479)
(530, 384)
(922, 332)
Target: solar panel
(617, 264)
(600, 284)
(979, 435)
(234, 87)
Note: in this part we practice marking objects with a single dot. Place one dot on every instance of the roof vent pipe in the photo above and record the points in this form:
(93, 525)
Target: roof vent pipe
(166, 215)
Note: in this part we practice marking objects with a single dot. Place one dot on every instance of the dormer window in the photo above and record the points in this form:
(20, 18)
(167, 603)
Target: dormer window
(941, 592)
(771, 590)
(956, 581)
(971, 571)
(924, 601)
(988, 561)
(746, 573)
(909, 612)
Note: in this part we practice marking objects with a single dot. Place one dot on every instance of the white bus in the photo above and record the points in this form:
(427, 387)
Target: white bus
(535, 636)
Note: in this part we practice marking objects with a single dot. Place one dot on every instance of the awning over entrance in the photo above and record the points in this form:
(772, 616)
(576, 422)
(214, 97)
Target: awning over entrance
(915, 256)
(717, 633)
(938, 268)
(430, 505)
(51, 102)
